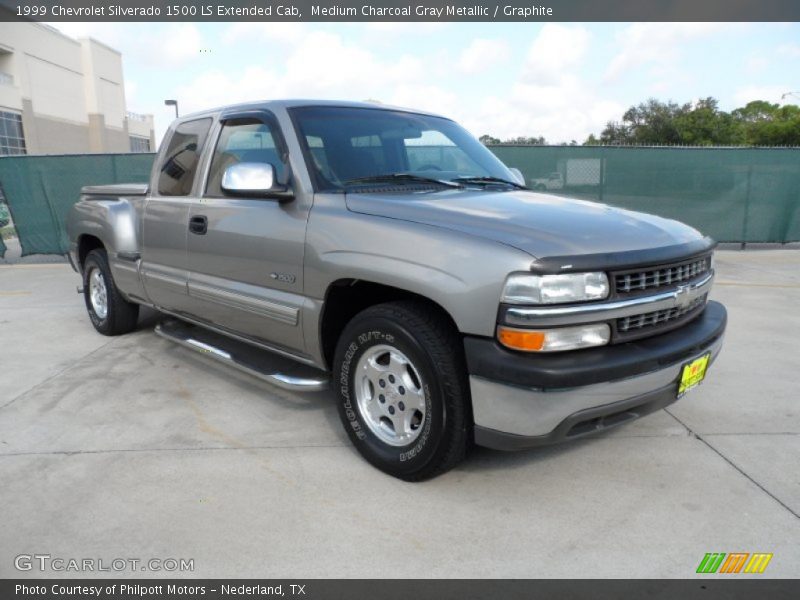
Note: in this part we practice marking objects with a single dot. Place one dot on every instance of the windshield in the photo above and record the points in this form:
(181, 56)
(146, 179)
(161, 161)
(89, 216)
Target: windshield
(347, 147)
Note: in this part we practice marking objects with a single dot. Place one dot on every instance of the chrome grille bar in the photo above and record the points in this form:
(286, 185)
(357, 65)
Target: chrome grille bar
(657, 277)
(657, 317)
(524, 316)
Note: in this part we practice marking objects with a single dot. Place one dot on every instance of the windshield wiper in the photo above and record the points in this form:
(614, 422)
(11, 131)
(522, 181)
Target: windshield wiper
(401, 178)
(488, 180)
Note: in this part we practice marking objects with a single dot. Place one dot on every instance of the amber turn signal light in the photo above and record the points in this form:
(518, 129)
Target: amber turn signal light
(517, 339)
(557, 339)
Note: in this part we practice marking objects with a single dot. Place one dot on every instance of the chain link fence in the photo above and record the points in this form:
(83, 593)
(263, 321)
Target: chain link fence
(731, 194)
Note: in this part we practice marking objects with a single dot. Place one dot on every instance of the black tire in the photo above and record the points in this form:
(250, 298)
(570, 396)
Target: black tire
(121, 316)
(431, 343)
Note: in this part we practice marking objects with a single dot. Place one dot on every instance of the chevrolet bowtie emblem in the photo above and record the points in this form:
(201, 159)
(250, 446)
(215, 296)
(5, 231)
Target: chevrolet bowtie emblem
(682, 296)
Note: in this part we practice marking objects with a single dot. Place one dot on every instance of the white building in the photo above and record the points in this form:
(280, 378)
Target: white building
(59, 95)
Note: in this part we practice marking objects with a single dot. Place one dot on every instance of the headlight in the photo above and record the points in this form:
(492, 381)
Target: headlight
(525, 288)
(554, 340)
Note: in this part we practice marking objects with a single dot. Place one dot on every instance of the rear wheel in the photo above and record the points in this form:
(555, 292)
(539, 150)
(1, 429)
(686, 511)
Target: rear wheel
(403, 391)
(109, 312)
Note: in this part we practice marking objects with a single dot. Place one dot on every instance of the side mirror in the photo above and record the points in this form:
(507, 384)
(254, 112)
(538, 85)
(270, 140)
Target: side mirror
(518, 176)
(255, 180)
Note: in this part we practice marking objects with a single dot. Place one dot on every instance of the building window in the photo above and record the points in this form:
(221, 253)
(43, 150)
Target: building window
(12, 140)
(140, 144)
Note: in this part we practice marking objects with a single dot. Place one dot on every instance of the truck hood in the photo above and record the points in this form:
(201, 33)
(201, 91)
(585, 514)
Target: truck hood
(542, 225)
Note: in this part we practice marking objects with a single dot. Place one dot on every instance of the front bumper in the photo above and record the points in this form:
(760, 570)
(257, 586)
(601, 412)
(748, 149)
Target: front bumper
(521, 400)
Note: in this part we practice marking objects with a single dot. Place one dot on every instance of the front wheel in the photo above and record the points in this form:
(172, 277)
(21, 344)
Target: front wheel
(109, 312)
(403, 390)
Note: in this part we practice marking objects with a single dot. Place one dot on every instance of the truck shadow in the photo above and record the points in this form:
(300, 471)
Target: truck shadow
(485, 459)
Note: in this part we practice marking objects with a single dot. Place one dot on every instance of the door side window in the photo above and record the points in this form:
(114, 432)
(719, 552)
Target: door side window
(244, 140)
(179, 165)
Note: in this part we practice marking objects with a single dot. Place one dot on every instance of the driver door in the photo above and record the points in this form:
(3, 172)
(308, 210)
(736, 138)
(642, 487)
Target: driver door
(245, 254)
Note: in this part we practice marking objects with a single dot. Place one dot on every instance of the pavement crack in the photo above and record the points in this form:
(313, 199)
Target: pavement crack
(724, 433)
(741, 471)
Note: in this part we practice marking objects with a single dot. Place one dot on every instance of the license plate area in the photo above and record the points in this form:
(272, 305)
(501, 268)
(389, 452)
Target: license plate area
(693, 373)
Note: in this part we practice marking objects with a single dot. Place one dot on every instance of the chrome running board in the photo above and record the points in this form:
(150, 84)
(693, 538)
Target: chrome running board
(243, 358)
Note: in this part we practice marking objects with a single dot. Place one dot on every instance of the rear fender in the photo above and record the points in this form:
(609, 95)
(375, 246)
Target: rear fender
(116, 222)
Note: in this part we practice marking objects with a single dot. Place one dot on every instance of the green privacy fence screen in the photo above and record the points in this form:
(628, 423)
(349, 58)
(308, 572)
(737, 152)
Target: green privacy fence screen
(4, 221)
(2, 248)
(731, 194)
(41, 189)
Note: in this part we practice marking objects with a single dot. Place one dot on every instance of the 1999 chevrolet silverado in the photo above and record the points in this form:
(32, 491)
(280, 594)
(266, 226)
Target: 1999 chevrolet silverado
(389, 254)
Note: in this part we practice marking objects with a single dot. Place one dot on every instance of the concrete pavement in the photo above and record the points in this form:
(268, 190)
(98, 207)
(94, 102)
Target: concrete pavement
(132, 447)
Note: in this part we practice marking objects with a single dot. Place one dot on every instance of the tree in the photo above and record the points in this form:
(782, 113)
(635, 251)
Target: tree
(649, 123)
(526, 141)
(615, 134)
(702, 123)
(755, 112)
(518, 141)
(592, 140)
(765, 124)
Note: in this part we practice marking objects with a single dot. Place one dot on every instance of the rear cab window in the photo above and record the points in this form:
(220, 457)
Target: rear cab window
(179, 162)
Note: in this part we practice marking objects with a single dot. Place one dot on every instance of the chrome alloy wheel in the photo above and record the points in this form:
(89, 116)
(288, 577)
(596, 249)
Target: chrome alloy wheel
(389, 395)
(98, 295)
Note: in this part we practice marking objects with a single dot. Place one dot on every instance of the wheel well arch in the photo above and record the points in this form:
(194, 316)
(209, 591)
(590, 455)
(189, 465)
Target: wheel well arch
(87, 243)
(345, 298)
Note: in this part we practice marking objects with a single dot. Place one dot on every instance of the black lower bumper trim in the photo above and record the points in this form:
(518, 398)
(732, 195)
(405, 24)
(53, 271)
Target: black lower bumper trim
(488, 359)
(582, 423)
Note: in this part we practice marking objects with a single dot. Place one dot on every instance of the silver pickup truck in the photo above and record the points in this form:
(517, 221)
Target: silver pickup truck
(389, 254)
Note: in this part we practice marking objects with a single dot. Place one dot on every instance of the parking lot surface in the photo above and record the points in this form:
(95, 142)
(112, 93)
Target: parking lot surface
(133, 447)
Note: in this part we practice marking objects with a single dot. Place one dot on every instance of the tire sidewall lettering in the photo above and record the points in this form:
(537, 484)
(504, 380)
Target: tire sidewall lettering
(422, 440)
(362, 342)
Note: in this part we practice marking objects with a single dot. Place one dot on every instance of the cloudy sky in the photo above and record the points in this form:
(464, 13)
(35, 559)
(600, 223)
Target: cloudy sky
(562, 81)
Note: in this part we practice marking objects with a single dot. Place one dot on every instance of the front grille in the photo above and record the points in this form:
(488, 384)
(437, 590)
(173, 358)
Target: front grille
(659, 319)
(652, 278)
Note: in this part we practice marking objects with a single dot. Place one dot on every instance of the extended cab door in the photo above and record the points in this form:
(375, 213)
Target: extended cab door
(166, 215)
(246, 254)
